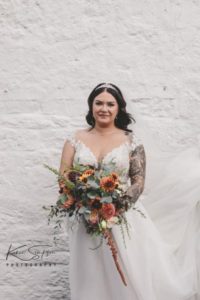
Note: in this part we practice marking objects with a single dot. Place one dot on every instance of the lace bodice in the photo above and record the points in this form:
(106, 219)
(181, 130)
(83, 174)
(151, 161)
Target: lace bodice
(118, 159)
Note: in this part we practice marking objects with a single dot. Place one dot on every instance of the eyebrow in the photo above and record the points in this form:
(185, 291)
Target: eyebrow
(111, 101)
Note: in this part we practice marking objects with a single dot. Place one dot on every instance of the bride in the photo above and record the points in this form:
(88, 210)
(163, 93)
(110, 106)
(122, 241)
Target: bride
(160, 258)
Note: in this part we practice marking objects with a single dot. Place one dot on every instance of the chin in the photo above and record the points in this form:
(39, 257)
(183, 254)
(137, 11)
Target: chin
(102, 122)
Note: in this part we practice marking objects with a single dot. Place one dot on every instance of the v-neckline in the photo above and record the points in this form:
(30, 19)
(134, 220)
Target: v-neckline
(100, 161)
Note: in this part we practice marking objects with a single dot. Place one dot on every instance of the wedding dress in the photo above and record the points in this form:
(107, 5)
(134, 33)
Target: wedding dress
(160, 260)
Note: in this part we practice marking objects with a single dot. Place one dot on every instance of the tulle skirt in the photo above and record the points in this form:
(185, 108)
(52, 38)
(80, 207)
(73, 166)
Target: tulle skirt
(161, 260)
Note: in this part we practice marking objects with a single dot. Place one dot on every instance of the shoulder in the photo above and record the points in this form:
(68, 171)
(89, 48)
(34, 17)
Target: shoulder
(73, 137)
(135, 141)
(79, 133)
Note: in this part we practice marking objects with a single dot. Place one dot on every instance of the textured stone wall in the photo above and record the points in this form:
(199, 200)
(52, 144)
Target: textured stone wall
(52, 54)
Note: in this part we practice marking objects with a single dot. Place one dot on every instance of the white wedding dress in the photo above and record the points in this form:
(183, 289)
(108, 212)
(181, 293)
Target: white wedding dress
(160, 261)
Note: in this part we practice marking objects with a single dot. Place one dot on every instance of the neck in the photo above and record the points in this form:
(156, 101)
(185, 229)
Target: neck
(105, 130)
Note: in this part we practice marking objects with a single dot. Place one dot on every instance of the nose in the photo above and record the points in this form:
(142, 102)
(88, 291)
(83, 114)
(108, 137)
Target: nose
(104, 107)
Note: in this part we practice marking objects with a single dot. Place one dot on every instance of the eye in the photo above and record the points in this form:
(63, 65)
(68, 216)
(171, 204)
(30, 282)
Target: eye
(109, 104)
(98, 102)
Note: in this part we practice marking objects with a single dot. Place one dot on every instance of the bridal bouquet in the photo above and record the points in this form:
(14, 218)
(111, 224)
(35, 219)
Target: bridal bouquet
(96, 197)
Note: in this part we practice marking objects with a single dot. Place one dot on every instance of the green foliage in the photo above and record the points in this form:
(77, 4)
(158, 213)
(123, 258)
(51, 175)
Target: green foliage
(62, 198)
(107, 199)
(92, 194)
(79, 168)
(68, 183)
(93, 183)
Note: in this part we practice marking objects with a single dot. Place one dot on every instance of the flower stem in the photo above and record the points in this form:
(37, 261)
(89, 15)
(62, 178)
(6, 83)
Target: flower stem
(113, 248)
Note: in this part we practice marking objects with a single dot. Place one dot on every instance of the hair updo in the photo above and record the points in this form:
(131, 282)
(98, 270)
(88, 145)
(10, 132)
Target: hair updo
(123, 118)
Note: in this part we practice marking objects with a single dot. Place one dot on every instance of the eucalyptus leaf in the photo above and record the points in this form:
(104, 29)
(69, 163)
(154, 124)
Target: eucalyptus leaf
(106, 199)
(80, 168)
(81, 210)
(92, 194)
(92, 183)
(104, 194)
(96, 173)
(115, 194)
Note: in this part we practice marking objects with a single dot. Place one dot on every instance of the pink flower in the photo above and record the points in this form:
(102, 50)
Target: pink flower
(108, 210)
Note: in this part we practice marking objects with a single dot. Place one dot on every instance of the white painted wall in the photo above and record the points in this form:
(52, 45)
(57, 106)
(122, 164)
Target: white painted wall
(52, 54)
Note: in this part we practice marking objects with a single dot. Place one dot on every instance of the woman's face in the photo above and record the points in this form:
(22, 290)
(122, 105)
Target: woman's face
(105, 108)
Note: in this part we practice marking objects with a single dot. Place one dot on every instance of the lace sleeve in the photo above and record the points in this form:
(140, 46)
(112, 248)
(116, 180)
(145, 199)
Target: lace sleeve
(137, 169)
(134, 141)
(71, 138)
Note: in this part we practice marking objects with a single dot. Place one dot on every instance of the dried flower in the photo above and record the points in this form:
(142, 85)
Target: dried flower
(66, 190)
(73, 176)
(96, 204)
(114, 176)
(94, 217)
(68, 203)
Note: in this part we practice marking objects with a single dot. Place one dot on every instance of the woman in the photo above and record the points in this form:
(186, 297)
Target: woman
(151, 270)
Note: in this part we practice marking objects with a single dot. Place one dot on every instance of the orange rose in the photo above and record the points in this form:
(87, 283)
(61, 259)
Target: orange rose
(108, 210)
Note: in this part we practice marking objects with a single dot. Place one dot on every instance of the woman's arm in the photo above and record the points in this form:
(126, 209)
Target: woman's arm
(137, 172)
(66, 157)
